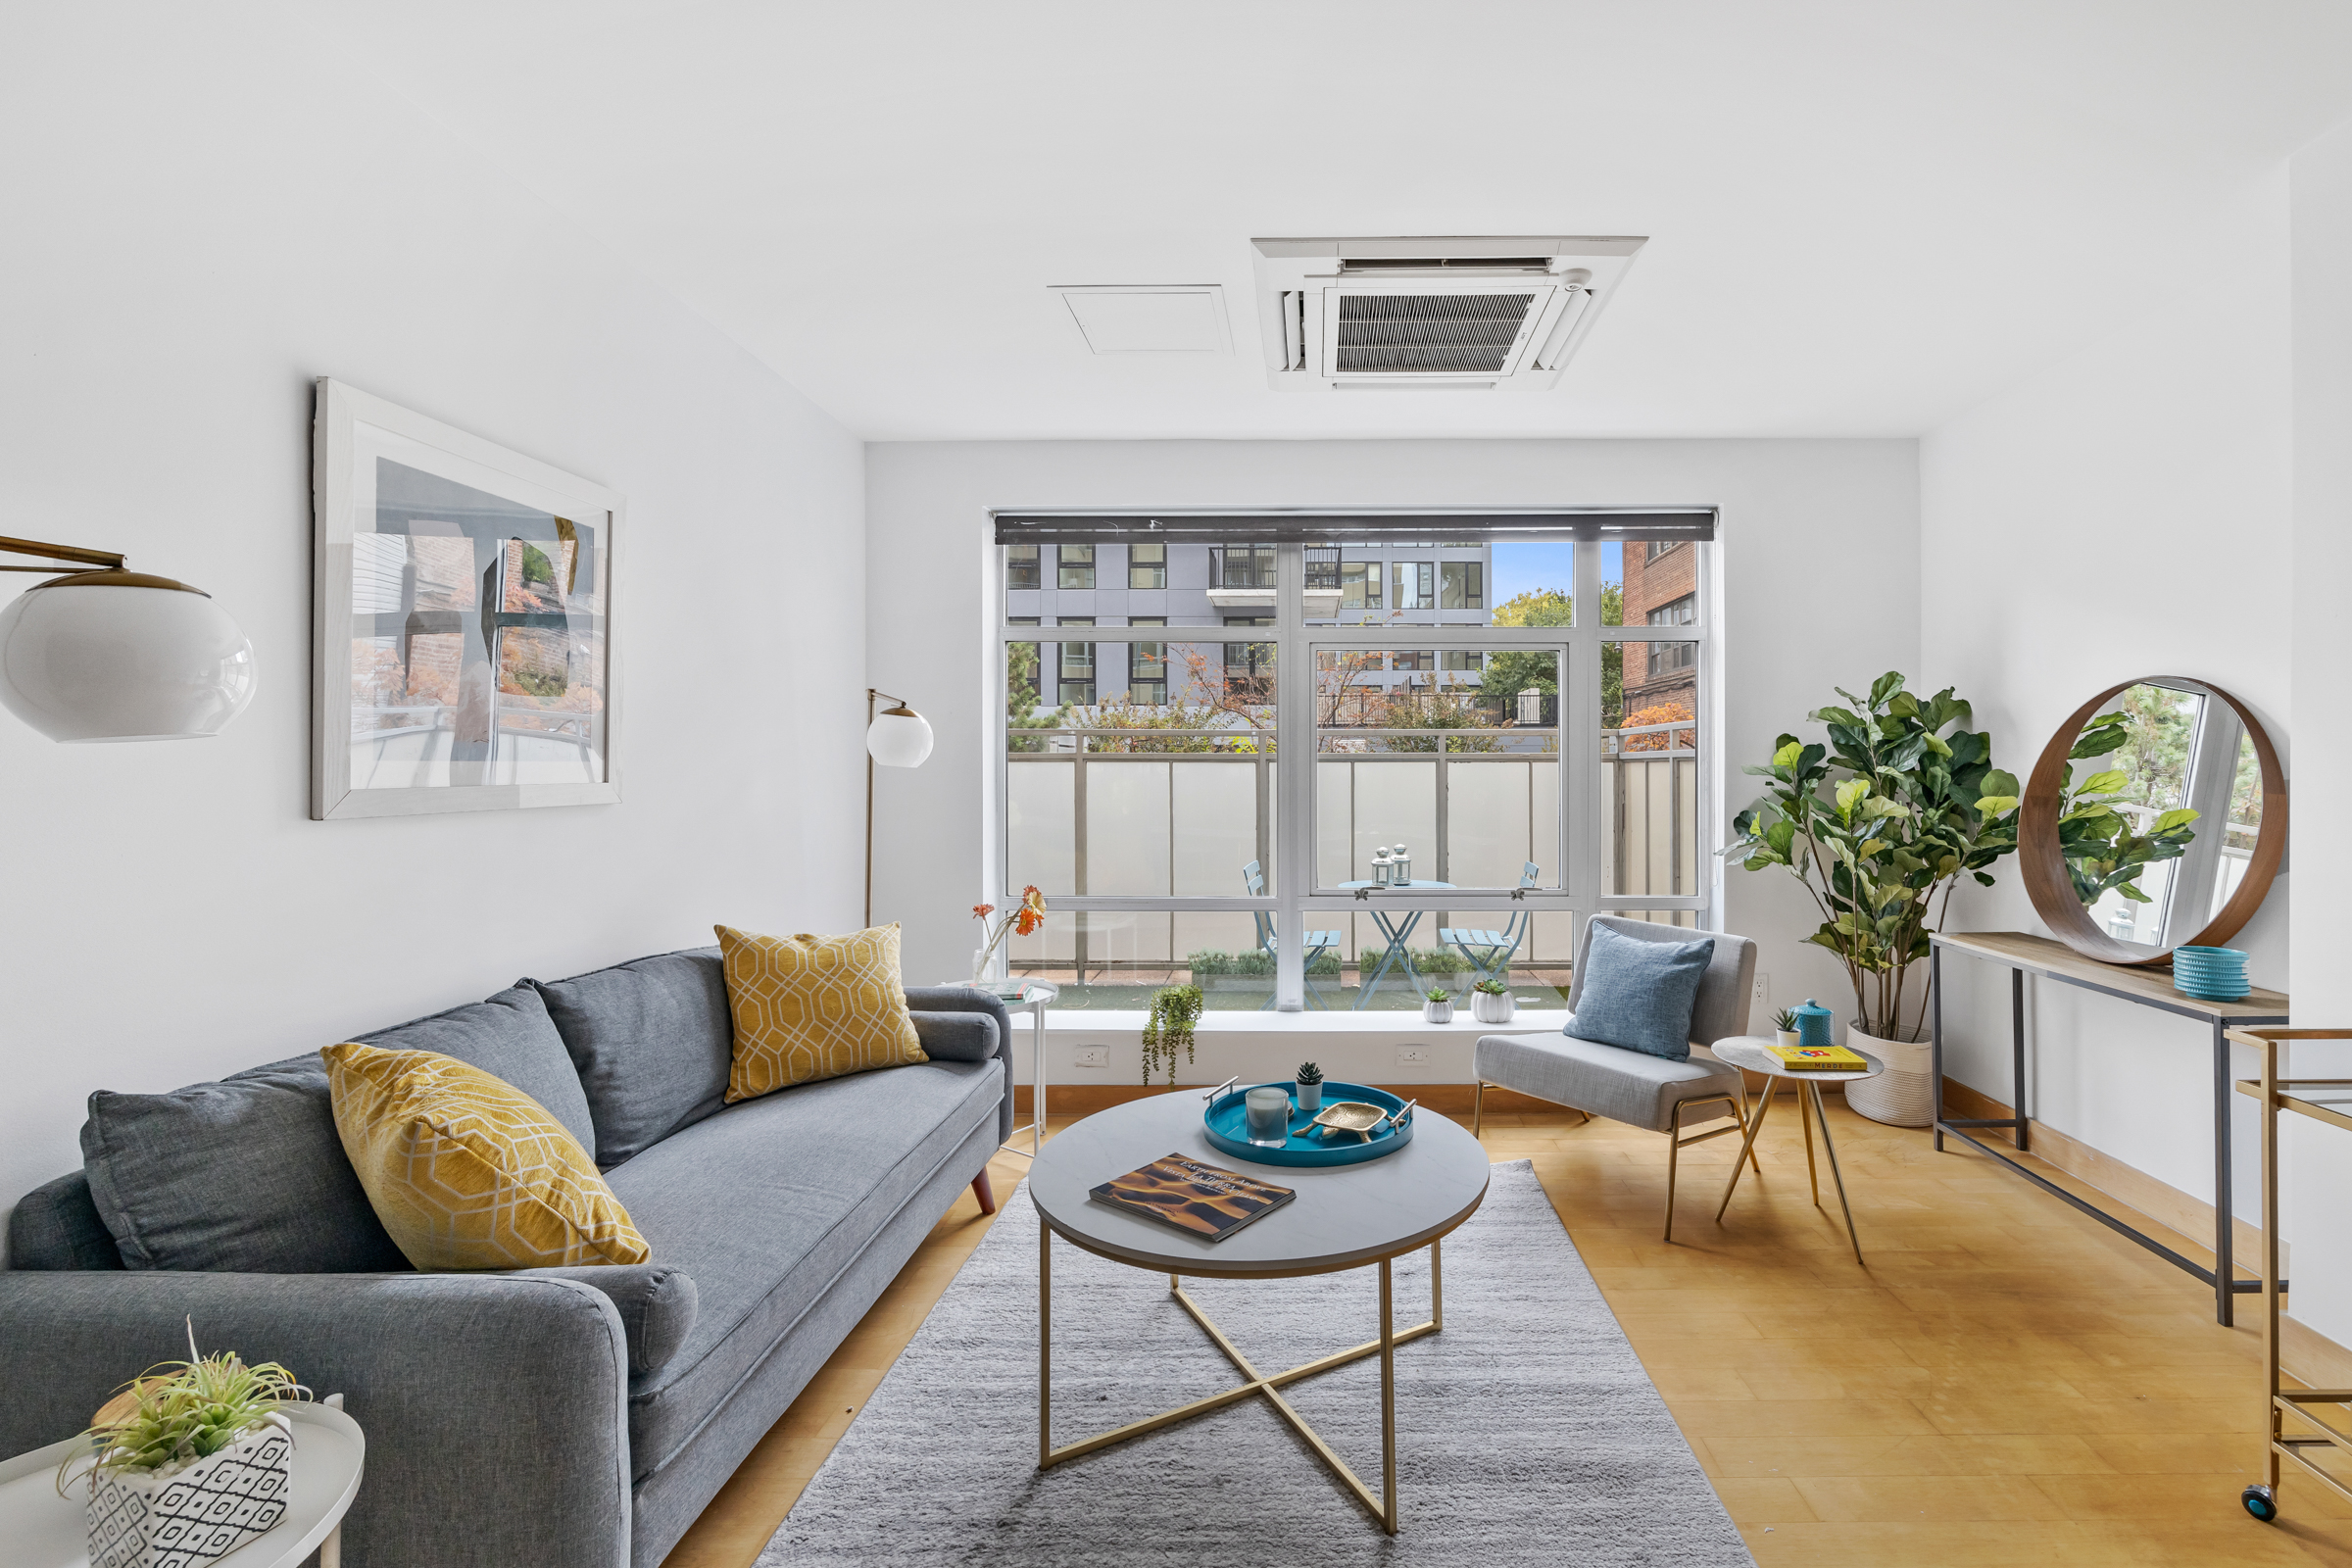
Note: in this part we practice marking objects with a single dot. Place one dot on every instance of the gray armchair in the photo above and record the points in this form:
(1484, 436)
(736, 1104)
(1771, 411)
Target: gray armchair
(1634, 1086)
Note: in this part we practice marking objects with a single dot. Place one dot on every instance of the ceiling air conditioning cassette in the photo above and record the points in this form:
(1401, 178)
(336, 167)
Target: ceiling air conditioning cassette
(1477, 313)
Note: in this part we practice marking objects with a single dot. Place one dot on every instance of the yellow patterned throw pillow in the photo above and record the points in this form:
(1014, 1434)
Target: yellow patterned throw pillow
(809, 1008)
(467, 1171)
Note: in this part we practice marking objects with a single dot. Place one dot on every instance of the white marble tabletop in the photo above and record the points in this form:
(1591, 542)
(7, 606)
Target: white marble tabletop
(1345, 1216)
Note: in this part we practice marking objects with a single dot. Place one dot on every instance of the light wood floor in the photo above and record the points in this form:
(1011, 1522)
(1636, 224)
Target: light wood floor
(2007, 1382)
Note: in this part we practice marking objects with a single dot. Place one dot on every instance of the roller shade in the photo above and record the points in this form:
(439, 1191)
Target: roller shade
(1341, 527)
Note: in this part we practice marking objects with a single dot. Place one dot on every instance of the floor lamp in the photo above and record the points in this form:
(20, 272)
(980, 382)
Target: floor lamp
(896, 737)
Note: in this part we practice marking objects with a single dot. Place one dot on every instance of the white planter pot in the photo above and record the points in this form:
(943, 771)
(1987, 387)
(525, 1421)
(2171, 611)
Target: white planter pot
(196, 1514)
(1309, 1096)
(1437, 1012)
(1487, 1007)
(1788, 1038)
(1904, 1094)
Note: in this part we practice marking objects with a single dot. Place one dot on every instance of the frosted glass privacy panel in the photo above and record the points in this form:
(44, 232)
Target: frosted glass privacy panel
(465, 649)
(1437, 766)
(1161, 784)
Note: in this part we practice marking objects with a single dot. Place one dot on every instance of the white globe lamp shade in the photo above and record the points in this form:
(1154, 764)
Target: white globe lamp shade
(899, 737)
(120, 655)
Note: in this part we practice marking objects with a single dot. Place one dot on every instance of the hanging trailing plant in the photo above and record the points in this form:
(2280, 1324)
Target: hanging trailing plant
(1174, 1012)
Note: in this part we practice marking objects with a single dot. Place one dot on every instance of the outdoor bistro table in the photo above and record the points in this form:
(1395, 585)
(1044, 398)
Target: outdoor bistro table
(1397, 926)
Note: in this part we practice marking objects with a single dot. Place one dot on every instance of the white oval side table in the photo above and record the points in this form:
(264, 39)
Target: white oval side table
(45, 1531)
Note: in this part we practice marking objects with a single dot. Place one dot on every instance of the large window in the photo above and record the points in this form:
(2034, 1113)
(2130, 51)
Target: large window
(1077, 566)
(1525, 751)
(1146, 566)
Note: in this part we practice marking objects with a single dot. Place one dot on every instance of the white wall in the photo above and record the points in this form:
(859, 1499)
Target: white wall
(2319, 1160)
(1819, 558)
(2123, 513)
(204, 209)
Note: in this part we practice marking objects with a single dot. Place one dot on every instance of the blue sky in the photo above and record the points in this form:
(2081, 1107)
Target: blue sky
(1519, 569)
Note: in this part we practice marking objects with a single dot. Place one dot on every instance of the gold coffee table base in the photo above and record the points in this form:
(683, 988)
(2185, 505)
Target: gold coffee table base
(1382, 1507)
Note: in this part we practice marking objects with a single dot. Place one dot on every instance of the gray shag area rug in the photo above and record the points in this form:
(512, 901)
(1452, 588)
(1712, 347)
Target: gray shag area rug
(1527, 1431)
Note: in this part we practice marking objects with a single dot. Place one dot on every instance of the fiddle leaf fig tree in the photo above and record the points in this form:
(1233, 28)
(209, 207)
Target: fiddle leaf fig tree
(1878, 826)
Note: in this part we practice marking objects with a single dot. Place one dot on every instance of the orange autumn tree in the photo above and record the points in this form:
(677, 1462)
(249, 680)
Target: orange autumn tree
(1668, 713)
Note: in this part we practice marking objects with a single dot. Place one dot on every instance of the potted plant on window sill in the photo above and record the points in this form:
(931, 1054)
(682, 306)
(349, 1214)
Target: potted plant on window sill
(1437, 1005)
(1878, 826)
(189, 1461)
(1490, 1001)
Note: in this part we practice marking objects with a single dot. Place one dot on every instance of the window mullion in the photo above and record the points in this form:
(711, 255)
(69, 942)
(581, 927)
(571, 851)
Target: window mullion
(1581, 791)
(1294, 776)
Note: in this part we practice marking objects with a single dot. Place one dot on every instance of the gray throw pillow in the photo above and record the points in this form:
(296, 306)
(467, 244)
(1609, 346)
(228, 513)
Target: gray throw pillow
(651, 1041)
(510, 1038)
(957, 1036)
(1638, 995)
(244, 1176)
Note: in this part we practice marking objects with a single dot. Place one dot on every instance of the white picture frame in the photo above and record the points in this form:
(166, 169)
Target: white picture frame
(458, 660)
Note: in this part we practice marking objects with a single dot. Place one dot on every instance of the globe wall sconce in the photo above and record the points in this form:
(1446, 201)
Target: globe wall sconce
(105, 654)
(896, 737)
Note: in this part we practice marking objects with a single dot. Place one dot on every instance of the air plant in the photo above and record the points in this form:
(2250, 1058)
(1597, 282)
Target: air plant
(178, 1412)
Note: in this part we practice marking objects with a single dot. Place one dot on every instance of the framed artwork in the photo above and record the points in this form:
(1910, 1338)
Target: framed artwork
(465, 647)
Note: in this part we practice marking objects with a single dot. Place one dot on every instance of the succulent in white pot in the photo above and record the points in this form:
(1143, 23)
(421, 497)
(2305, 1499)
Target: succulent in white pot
(1307, 1086)
(1437, 1005)
(1784, 1024)
(188, 1462)
(1490, 1001)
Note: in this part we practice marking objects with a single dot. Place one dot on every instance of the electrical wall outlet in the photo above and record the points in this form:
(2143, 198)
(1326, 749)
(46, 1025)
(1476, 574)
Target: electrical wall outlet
(1092, 1057)
(1413, 1056)
(1763, 996)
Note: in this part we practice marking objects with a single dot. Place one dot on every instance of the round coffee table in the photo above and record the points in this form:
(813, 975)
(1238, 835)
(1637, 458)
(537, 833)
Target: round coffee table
(1345, 1216)
(1752, 1053)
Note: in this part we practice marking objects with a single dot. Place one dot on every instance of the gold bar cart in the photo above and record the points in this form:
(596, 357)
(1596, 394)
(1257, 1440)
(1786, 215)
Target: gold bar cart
(2323, 1099)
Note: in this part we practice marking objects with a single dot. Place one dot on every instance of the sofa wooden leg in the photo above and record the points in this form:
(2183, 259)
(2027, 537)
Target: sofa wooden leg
(984, 1192)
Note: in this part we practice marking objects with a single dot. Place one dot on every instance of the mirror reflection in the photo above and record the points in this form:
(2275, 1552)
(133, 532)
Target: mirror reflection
(2160, 812)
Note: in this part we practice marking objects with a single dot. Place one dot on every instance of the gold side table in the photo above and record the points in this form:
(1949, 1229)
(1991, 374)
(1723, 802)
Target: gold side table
(1751, 1052)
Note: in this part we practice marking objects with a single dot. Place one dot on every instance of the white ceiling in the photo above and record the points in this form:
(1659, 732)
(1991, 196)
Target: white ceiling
(1863, 217)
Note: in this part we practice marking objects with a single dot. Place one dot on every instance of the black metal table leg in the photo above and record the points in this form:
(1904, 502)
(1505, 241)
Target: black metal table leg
(1936, 1034)
(2225, 1266)
(2016, 1053)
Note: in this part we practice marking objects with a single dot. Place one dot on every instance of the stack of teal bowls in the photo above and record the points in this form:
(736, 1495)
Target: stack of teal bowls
(2209, 974)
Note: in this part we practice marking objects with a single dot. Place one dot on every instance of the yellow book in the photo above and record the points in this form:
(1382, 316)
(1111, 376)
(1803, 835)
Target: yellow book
(1818, 1058)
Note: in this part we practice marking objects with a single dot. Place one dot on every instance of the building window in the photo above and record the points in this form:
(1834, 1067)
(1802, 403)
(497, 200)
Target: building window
(1322, 568)
(1360, 584)
(1666, 658)
(1075, 677)
(1020, 565)
(1658, 547)
(1243, 566)
(1461, 585)
(1076, 567)
(1682, 611)
(1462, 658)
(1416, 584)
(1146, 566)
(1148, 664)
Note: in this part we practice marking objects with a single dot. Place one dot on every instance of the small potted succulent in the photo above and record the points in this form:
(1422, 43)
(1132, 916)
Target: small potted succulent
(1437, 1005)
(1308, 1087)
(189, 1461)
(1490, 1001)
(1784, 1024)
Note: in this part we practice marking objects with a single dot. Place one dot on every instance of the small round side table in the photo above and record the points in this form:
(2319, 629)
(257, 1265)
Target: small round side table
(1752, 1053)
(45, 1531)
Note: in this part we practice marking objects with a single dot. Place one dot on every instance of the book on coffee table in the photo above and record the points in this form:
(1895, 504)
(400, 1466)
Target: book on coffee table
(1818, 1058)
(1200, 1199)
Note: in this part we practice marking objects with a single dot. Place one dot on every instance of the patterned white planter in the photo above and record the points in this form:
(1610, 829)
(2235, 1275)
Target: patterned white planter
(1488, 1007)
(1437, 1012)
(196, 1514)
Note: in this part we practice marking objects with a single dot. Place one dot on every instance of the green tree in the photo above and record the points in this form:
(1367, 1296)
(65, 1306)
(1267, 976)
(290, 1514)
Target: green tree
(1512, 673)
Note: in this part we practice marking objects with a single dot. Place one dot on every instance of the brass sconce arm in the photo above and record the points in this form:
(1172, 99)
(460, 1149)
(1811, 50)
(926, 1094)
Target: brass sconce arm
(67, 556)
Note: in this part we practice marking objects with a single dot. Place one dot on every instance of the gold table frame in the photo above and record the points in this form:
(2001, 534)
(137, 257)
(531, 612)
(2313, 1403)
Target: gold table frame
(1268, 1384)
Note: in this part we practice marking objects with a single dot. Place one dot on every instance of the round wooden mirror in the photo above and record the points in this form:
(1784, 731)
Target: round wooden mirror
(2155, 818)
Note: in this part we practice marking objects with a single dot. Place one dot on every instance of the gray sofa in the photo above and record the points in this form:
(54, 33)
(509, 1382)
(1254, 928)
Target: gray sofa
(571, 1418)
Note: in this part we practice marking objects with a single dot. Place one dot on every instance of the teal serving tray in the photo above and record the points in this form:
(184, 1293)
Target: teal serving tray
(1226, 1121)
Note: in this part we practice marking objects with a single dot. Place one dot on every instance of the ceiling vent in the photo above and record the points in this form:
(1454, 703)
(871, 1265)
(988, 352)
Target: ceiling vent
(1465, 313)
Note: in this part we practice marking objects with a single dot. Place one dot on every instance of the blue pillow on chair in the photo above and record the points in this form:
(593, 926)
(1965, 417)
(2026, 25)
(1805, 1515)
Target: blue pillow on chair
(1638, 995)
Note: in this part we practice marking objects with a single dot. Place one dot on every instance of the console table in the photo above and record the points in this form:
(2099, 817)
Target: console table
(2025, 955)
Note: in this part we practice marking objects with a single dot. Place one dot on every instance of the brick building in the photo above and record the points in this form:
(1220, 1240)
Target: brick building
(1661, 589)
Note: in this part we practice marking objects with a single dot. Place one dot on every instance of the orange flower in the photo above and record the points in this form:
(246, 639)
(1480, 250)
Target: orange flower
(981, 911)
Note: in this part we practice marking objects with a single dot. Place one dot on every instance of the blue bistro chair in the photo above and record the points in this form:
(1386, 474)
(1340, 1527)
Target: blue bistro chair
(1489, 951)
(1318, 943)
